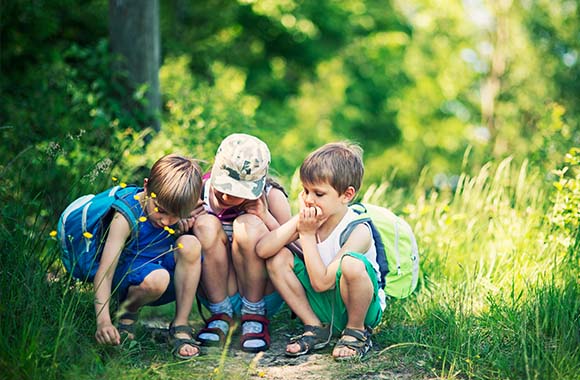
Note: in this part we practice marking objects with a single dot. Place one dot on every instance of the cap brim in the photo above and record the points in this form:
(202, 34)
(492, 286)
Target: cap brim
(242, 189)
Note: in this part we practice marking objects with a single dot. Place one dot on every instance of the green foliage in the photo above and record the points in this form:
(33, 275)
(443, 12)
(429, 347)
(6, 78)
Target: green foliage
(417, 84)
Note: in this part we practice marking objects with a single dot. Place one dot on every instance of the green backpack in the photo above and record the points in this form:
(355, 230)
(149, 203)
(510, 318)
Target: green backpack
(397, 252)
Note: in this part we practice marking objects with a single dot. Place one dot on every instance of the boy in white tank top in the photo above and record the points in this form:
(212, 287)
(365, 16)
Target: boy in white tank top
(331, 287)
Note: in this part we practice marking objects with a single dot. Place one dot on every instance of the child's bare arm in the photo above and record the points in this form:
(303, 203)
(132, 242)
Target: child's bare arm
(323, 277)
(119, 231)
(273, 241)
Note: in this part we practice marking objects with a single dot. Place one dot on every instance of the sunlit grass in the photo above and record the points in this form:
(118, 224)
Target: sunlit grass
(499, 299)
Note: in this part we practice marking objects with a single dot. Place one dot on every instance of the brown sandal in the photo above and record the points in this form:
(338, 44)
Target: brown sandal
(361, 345)
(307, 342)
(177, 343)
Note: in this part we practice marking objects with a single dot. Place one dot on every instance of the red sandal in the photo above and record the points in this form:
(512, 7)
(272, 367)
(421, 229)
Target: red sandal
(215, 330)
(264, 335)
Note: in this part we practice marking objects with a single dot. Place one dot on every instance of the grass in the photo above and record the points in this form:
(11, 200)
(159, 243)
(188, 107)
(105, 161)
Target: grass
(499, 299)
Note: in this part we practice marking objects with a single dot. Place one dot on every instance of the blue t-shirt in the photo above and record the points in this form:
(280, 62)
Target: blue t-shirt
(150, 243)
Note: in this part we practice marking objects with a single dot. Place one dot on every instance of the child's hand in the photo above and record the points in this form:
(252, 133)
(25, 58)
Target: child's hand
(258, 207)
(108, 334)
(185, 225)
(309, 220)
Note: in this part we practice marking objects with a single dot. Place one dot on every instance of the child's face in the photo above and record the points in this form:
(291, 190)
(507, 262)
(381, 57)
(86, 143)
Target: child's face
(324, 196)
(226, 200)
(158, 216)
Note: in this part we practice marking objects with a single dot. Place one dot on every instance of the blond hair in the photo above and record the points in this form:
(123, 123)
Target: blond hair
(339, 164)
(176, 182)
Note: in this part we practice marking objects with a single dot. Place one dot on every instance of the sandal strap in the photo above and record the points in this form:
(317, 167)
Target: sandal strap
(263, 335)
(180, 329)
(177, 343)
(361, 345)
(319, 338)
(220, 317)
(256, 318)
(359, 335)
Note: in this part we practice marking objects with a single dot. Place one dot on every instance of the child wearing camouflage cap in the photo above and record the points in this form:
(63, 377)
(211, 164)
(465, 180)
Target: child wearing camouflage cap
(240, 205)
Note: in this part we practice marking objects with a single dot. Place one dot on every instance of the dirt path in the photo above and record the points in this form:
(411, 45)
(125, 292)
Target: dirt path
(274, 365)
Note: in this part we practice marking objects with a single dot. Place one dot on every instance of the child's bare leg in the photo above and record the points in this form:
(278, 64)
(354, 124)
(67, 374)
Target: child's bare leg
(280, 269)
(187, 274)
(356, 290)
(216, 262)
(250, 268)
(216, 266)
(149, 290)
(253, 278)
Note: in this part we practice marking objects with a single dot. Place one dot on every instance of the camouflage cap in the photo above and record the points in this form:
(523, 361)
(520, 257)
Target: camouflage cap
(240, 166)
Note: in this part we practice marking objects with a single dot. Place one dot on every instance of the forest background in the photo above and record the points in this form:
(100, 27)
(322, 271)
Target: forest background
(468, 112)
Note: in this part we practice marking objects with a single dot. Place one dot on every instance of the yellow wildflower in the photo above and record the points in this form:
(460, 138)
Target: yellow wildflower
(142, 219)
(136, 197)
(262, 374)
(123, 185)
(52, 233)
(180, 246)
(156, 209)
(114, 179)
(88, 235)
(153, 195)
(169, 230)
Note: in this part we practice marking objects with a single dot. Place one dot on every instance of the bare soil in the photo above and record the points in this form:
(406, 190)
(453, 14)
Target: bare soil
(273, 364)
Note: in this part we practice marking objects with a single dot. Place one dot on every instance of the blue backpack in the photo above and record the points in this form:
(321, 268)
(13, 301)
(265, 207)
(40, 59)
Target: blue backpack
(83, 226)
(397, 251)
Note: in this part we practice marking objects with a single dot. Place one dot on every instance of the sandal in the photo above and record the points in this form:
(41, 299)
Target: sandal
(263, 335)
(177, 343)
(222, 335)
(361, 345)
(128, 329)
(308, 343)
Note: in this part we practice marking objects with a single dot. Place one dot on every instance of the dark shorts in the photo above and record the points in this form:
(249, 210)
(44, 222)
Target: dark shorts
(132, 273)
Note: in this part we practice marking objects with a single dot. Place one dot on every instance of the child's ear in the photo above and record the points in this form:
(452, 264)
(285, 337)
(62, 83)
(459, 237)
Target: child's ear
(145, 181)
(349, 193)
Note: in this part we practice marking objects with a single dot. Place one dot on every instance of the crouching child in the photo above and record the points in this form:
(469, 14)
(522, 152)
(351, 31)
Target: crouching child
(330, 287)
(138, 257)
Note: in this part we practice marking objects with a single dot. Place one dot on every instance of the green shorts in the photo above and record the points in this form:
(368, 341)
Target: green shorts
(327, 303)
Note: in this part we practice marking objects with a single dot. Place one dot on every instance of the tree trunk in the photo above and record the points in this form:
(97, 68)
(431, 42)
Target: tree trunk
(134, 38)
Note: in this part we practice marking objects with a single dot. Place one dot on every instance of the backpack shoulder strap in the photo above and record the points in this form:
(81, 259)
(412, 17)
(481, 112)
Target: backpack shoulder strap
(360, 209)
(128, 210)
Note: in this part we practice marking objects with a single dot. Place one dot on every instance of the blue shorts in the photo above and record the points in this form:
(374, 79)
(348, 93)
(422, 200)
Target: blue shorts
(133, 272)
(273, 303)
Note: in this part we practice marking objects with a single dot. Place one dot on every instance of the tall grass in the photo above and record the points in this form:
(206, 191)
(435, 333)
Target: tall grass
(500, 299)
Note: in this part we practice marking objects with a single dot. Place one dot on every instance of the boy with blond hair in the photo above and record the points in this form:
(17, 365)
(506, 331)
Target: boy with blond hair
(156, 267)
(332, 287)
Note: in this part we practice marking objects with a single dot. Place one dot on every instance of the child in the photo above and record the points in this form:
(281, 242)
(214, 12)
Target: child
(241, 205)
(330, 284)
(155, 268)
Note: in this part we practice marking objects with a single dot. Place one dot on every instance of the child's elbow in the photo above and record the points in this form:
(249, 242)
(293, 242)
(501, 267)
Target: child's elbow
(319, 286)
(261, 250)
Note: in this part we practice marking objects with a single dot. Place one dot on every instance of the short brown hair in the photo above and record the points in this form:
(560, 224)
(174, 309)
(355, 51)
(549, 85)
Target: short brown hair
(339, 164)
(176, 182)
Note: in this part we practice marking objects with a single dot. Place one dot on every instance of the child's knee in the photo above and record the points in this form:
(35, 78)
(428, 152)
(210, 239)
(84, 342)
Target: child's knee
(352, 267)
(189, 247)
(208, 228)
(248, 229)
(282, 261)
(155, 283)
